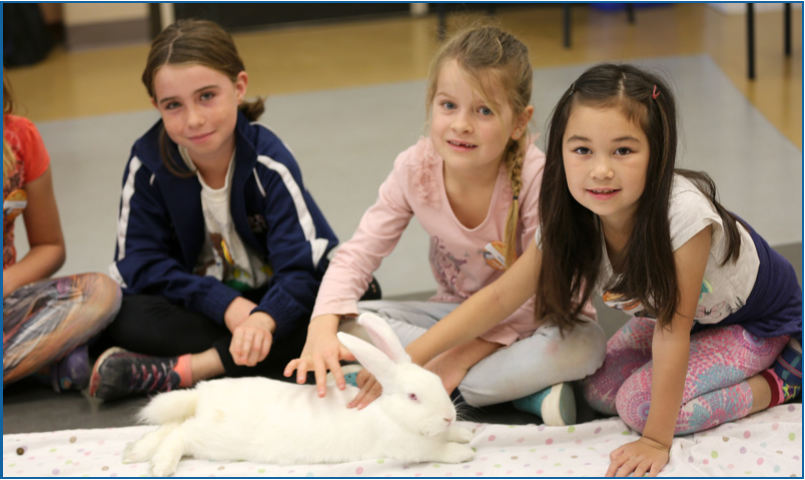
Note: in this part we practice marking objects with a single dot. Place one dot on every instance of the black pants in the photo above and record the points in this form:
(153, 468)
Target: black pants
(151, 325)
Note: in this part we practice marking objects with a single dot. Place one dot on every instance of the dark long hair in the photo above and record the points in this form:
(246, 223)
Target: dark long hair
(198, 42)
(571, 246)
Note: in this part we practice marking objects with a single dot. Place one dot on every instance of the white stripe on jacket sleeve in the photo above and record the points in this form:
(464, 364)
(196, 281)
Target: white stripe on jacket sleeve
(317, 245)
(125, 208)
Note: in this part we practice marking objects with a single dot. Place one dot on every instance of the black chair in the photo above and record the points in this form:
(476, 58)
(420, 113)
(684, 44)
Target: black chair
(750, 36)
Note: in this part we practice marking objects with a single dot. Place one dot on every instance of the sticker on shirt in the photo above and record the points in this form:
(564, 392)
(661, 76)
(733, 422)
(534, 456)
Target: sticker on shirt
(629, 306)
(495, 255)
(14, 204)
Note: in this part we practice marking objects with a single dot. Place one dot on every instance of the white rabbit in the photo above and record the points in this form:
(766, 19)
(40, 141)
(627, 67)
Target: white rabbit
(262, 420)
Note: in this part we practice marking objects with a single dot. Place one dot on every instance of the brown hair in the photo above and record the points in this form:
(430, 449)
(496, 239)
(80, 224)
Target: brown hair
(487, 50)
(571, 250)
(198, 42)
(9, 159)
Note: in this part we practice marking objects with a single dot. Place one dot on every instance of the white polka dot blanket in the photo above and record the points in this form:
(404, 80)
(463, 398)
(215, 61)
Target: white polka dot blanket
(767, 444)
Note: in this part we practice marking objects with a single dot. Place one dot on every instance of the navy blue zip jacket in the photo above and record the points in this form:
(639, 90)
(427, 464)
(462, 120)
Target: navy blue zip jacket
(160, 229)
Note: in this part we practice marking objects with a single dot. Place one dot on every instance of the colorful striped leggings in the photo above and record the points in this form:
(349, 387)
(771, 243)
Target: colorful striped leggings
(46, 320)
(716, 391)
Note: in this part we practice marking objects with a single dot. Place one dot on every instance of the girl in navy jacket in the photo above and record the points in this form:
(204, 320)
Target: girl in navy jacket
(220, 249)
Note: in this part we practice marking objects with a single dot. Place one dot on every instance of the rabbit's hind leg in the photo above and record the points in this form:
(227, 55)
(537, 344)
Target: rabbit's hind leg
(170, 451)
(143, 449)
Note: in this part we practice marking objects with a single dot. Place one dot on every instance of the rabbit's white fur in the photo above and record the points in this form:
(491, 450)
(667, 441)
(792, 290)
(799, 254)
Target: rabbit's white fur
(263, 420)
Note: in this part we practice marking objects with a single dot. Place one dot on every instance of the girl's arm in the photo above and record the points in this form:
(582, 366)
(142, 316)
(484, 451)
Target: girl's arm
(482, 311)
(47, 253)
(670, 352)
(349, 274)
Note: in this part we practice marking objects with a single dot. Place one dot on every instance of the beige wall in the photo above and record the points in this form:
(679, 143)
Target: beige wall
(88, 13)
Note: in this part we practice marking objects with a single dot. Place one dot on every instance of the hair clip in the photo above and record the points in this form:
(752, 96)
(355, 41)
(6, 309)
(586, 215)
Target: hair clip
(655, 93)
(572, 89)
(514, 197)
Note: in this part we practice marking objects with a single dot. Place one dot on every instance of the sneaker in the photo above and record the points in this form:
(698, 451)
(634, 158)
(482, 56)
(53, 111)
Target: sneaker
(788, 368)
(119, 373)
(556, 405)
(350, 371)
(72, 371)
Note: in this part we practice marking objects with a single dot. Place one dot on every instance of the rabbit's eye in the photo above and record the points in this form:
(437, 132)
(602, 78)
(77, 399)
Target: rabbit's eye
(413, 397)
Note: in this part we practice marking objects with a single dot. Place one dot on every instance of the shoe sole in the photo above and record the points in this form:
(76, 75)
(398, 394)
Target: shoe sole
(95, 377)
(560, 399)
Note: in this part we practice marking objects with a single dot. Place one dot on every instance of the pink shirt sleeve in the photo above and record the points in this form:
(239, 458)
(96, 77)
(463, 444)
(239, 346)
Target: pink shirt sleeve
(381, 227)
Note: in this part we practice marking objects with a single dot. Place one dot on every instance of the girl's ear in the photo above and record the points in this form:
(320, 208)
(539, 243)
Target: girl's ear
(154, 103)
(522, 122)
(241, 82)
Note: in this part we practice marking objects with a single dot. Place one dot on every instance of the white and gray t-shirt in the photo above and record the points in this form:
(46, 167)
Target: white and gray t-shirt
(224, 256)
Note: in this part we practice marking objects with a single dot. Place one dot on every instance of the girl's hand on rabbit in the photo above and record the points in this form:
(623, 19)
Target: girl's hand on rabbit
(449, 370)
(322, 352)
(251, 341)
(370, 390)
(641, 456)
(452, 366)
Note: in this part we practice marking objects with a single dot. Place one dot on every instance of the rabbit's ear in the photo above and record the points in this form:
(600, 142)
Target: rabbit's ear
(384, 337)
(370, 357)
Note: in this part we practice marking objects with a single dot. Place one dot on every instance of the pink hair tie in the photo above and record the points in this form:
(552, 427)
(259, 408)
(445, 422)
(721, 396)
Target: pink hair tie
(655, 93)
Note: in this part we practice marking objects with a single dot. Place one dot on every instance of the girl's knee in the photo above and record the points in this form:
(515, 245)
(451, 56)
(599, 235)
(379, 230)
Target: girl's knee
(590, 348)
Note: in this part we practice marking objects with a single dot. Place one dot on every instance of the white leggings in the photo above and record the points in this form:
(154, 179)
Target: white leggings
(527, 366)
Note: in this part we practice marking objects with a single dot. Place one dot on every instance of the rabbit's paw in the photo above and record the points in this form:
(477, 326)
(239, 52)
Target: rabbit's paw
(455, 453)
(459, 435)
(164, 465)
(141, 450)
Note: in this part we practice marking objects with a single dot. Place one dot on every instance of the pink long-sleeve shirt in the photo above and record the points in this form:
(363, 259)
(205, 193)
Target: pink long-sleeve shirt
(462, 259)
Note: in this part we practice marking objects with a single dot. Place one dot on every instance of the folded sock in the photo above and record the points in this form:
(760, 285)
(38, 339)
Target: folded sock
(184, 368)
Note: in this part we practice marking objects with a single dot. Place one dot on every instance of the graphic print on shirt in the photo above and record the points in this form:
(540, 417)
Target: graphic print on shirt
(706, 312)
(446, 267)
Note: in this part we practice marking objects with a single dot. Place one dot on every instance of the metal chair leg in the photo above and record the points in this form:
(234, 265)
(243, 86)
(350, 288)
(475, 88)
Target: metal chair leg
(787, 28)
(750, 40)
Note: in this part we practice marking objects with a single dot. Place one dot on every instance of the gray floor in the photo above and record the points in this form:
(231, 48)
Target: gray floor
(346, 141)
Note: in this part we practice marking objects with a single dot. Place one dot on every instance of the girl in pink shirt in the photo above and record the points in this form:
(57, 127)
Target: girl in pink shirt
(473, 185)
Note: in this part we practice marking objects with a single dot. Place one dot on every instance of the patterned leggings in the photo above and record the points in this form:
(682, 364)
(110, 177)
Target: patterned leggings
(46, 320)
(716, 391)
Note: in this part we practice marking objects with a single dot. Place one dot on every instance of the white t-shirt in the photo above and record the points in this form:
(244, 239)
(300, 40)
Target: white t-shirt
(724, 288)
(224, 255)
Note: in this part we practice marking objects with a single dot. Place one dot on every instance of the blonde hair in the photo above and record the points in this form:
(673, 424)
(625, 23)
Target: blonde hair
(198, 42)
(485, 50)
(9, 159)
